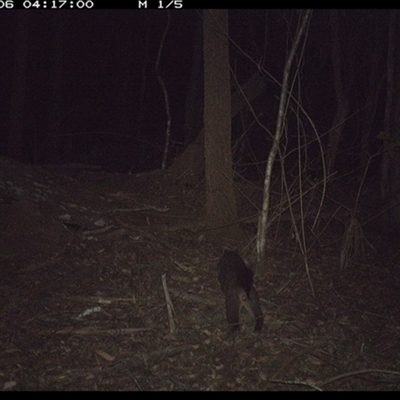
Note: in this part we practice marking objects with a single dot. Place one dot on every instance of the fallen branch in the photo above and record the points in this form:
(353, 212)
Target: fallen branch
(170, 307)
(96, 331)
(102, 300)
(363, 371)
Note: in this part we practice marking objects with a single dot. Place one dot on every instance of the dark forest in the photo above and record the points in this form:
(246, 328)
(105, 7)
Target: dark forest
(163, 171)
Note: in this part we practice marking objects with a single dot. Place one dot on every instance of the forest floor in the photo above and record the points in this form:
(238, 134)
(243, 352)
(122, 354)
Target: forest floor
(83, 305)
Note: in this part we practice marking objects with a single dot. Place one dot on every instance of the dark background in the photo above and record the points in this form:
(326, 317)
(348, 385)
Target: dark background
(111, 109)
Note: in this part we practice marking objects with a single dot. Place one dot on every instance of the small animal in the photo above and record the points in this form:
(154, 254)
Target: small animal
(236, 282)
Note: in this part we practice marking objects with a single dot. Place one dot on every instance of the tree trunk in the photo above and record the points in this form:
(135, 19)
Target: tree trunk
(188, 168)
(220, 198)
(280, 122)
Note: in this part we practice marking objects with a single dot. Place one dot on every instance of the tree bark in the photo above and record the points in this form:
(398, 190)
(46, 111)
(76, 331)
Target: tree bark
(188, 167)
(283, 101)
(220, 198)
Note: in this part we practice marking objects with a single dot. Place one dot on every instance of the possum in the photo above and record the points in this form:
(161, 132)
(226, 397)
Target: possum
(236, 282)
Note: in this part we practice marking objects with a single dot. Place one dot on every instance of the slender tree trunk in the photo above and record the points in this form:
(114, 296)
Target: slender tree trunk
(283, 101)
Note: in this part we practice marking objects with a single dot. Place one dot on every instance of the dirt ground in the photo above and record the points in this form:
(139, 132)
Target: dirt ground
(88, 259)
